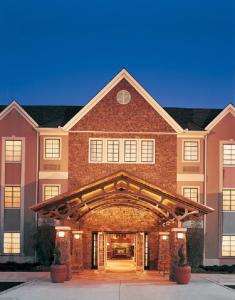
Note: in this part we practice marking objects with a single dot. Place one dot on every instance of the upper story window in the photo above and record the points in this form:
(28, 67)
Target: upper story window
(13, 150)
(11, 243)
(147, 151)
(96, 150)
(113, 150)
(229, 199)
(228, 245)
(130, 153)
(12, 196)
(50, 191)
(103, 150)
(191, 150)
(229, 154)
(191, 193)
(52, 148)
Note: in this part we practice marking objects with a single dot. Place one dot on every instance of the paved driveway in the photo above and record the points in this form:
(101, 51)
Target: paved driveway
(91, 285)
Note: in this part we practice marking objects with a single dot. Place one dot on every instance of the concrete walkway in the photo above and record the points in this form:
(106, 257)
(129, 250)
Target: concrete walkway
(118, 286)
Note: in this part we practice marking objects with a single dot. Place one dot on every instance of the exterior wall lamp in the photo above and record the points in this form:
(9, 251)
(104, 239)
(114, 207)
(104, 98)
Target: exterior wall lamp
(180, 235)
(77, 236)
(164, 237)
(61, 234)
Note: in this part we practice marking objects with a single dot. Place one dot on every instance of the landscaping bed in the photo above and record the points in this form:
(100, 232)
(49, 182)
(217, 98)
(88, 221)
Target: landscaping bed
(23, 267)
(7, 285)
(224, 269)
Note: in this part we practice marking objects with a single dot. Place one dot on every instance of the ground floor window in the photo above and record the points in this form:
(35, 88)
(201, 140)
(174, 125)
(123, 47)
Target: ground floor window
(228, 245)
(11, 243)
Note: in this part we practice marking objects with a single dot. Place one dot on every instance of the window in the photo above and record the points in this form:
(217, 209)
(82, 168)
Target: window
(228, 245)
(123, 151)
(12, 196)
(13, 151)
(147, 149)
(229, 154)
(11, 243)
(113, 150)
(191, 150)
(96, 150)
(229, 199)
(130, 150)
(191, 193)
(51, 191)
(52, 149)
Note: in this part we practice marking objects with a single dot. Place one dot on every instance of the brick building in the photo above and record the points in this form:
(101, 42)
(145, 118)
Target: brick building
(122, 176)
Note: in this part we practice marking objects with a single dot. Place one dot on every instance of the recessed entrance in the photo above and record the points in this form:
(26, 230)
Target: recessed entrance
(120, 251)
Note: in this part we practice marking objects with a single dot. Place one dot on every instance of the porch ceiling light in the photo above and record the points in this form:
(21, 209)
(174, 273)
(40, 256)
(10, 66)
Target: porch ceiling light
(61, 234)
(164, 237)
(77, 236)
(180, 235)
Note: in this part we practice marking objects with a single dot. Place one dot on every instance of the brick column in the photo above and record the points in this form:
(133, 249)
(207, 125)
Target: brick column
(77, 251)
(177, 238)
(163, 251)
(63, 242)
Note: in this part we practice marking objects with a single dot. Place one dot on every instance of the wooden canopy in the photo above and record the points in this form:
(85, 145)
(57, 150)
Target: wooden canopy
(121, 189)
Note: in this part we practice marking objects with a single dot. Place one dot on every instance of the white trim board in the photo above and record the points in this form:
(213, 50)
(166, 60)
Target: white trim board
(123, 74)
(228, 109)
(21, 111)
(53, 175)
(190, 177)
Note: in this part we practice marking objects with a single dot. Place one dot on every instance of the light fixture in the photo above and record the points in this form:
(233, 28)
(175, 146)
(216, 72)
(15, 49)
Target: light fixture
(180, 235)
(108, 244)
(164, 237)
(61, 234)
(77, 236)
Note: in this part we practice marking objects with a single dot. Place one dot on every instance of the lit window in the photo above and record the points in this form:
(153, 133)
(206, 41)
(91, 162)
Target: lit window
(11, 243)
(147, 149)
(191, 150)
(113, 150)
(130, 150)
(229, 154)
(96, 150)
(12, 196)
(229, 199)
(51, 191)
(13, 150)
(228, 245)
(191, 193)
(52, 148)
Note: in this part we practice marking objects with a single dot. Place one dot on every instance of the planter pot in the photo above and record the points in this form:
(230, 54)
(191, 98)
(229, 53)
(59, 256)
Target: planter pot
(182, 274)
(58, 273)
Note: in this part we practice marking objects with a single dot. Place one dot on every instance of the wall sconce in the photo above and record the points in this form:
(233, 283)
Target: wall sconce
(180, 235)
(77, 236)
(164, 237)
(61, 234)
(108, 244)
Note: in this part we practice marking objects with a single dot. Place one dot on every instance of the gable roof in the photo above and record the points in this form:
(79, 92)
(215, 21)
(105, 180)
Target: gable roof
(228, 109)
(21, 111)
(54, 116)
(123, 74)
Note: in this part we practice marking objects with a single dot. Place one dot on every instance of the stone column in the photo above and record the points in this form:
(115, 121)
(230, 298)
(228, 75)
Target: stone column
(177, 239)
(63, 242)
(164, 251)
(77, 251)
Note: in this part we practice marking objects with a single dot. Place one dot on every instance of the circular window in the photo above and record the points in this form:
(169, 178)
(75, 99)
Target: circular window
(123, 97)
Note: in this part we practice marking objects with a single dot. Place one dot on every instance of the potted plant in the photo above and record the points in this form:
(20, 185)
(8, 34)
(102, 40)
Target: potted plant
(182, 270)
(58, 269)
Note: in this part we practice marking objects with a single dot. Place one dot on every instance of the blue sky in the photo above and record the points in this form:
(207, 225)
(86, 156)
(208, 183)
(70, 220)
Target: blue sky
(64, 52)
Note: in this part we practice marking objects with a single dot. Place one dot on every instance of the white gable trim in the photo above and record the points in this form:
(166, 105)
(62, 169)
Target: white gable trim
(123, 75)
(20, 110)
(228, 109)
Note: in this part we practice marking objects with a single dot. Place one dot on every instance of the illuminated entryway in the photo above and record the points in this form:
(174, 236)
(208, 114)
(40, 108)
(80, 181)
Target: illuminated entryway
(120, 251)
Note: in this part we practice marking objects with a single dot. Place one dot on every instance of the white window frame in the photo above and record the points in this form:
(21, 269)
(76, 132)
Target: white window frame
(191, 187)
(198, 154)
(121, 151)
(44, 147)
(118, 153)
(227, 189)
(11, 253)
(12, 185)
(6, 139)
(223, 144)
(52, 185)
(230, 235)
